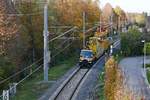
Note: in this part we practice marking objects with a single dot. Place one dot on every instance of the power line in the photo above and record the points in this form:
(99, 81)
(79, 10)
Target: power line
(62, 34)
(30, 74)
(58, 47)
(42, 64)
(38, 61)
(62, 50)
(21, 14)
(34, 62)
(42, 57)
(37, 68)
(25, 2)
(20, 71)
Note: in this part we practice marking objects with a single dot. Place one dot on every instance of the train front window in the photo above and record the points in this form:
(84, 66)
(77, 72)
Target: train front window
(88, 54)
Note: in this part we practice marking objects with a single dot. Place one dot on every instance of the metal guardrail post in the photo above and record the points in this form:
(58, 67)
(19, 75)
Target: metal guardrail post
(12, 89)
(1, 97)
(5, 94)
(111, 50)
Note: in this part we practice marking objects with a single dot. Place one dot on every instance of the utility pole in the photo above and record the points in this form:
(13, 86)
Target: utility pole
(100, 21)
(144, 61)
(84, 30)
(46, 49)
(119, 25)
(144, 55)
(111, 23)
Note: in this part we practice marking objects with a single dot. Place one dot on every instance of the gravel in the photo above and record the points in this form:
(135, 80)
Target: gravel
(71, 86)
(56, 84)
(84, 92)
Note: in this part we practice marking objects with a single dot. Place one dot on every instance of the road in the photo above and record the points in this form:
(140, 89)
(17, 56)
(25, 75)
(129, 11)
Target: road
(133, 78)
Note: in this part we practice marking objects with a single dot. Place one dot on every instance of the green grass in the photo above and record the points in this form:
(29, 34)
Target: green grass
(148, 72)
(148, 76)
(33, 88)
(100, 92)
(147, 65)
(118, 57)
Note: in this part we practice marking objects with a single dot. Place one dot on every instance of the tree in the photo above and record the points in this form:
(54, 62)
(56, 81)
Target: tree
(13, 42)
(131, 42)
(148, 48)
(70, 12)
(29, 29)
(121, 16)
(140, 20)
(8, 25)
(107, 12)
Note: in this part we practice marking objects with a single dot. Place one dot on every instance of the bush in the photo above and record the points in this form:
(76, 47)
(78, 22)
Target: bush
(147, 65)
(131, 42)
(110, 78)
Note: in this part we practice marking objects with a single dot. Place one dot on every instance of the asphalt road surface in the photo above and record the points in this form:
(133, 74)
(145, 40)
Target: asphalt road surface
(134, 78)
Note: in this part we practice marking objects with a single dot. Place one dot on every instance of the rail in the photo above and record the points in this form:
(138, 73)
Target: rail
(64, 83)
(71, 85)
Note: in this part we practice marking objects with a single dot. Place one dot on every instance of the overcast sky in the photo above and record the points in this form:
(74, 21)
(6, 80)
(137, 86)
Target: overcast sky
(130, 5)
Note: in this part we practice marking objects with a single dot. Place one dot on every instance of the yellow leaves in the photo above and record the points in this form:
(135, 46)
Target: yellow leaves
(101, 34)
(105, 44)
(78, 22)
(81, 35)
(92, 47)
(118, 11)
(9, 27)
(110, 63)
(110, 78)
(140, 19)
(71, 11)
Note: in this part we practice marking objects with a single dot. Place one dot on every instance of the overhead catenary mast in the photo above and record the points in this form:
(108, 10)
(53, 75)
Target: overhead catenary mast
(84, 45)
(100, 21)
(111, 23)
(46, 49)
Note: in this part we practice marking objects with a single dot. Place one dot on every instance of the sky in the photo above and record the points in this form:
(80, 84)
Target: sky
(130, 5)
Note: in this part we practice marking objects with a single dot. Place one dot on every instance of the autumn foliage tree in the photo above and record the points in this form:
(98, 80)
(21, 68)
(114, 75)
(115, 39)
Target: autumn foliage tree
(70, 11)
(122, 18)
(11, 48)
(8, 25)
(116, 16)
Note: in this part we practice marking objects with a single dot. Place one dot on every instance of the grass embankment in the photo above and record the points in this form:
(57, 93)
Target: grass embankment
(32, 88)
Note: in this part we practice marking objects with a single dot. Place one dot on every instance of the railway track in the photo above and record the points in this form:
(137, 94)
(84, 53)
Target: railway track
(67, 90)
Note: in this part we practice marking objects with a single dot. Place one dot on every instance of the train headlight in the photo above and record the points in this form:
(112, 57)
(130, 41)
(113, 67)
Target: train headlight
(81, 58)
(90, 59)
